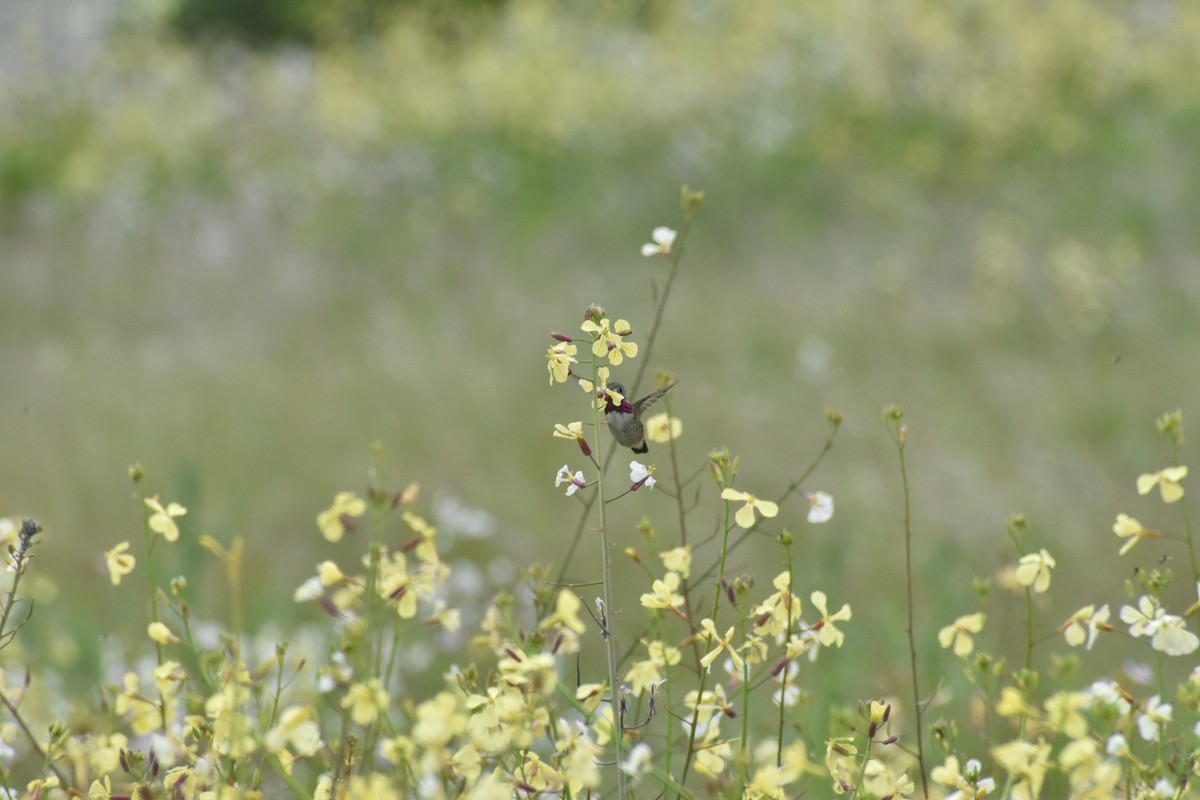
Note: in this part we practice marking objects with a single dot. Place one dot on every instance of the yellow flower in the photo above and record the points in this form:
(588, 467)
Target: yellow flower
(566, 613)
(160, 633)
(559, 359)
(1084, 625)
(662, 428)
(827, 632)
(678, 560)
(1033, 569)
(1167, 481)
(662, 594)
(745, 514)
(710, 633)
(1128, 527)
(959, 634)
(572, 430)
(365, 701)
(119, 562)
(298, 729)
(162, 521)
(333, 521)
(1026, 764)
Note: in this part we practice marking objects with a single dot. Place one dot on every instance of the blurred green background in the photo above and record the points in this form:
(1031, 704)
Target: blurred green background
(240, 249)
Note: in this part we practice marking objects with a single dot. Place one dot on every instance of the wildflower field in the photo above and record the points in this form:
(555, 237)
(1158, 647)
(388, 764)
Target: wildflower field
(316, 352)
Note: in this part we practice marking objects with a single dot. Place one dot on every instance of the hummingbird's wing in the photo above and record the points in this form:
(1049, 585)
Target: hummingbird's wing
(652, 398)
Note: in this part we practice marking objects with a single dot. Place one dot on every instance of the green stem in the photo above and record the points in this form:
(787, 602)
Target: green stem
(608, 618)
(787, 549)
(1187, 525)
(900, 435)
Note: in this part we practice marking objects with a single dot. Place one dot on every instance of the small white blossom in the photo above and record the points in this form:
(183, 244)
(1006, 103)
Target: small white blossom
(663, 238)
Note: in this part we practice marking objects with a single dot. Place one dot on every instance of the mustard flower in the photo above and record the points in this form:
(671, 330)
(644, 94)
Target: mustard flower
(959, 634)
(1027, 764)
(1154, 715)
(745, 515)
(119, 562)
(1167, 480)
(1033, 570)
(101, 789)
(559, 359)
(968, 783)
(678, 560)
(608, 340)
(773, 615)
(160, 633)
(880, 781)
(335, 520)
(662, 428)
(663, 593)
(365, 701)
(573, 430)
(664, 239)
(722, 643)
(827, 632)
(820, 507)
(1084, 625)
(162, 521)
(566, 613)
(1129, 528)
(564, 476)
(1143, 619)
(297, 729)
(641, 475)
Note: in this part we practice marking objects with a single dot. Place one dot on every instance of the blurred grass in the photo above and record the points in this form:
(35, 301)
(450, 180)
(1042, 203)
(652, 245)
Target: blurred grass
(241, 269)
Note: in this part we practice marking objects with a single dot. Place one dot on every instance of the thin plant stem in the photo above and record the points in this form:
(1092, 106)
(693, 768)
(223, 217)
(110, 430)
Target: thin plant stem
(609, 612)
(899, 431)
(787, 549)
(1187, 523)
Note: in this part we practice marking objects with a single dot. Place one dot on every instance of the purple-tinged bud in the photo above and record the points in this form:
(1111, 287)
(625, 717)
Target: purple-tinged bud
(871, 731)
(594, 313)
(562, 337)
(512, 654)
(558, 640)
(780, 667)
(122, 759)
(347, 523)
(583, 445)
(891, 739)
(638, 484)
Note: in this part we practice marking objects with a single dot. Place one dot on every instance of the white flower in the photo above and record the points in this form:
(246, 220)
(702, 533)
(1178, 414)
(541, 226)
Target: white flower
(822, 507)
(564, 476)
(1117, 746)
(638, 761)
(640, 475)
(663, 238)
(1173, 638)
(1154, 714)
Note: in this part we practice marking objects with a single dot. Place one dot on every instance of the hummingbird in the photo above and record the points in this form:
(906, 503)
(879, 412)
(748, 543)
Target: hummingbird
(625, 420)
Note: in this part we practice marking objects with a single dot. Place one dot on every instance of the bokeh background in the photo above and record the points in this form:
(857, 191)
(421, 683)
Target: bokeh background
(240, 243)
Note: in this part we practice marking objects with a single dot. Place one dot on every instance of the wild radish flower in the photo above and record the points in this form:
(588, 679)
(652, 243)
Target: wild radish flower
(1153, 716)
(1084, 625)
(1143, 619)
(160, 633)
(162, 521)
(959, 634)
(1173, 637)
(827, 632)
(821, 507)
(722, 644)
(662, 428)
(566, 613)
(1129, 528)
(559, 359)
(297, 729)
(678, 560)
(745, 515)
(662, 593)
(336, 520)
(564, 476)
(663, 238)
(573, 430)
(1167, 480)
(119, 562)
(641, 475)
(1033, 570)
(365, 701)
(639, 761)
